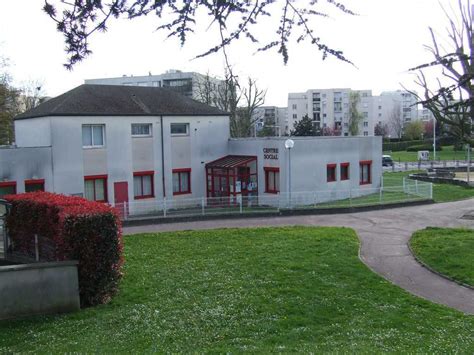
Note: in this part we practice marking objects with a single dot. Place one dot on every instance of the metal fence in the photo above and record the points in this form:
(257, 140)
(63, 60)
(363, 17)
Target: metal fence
(411, 190)
(427, 164)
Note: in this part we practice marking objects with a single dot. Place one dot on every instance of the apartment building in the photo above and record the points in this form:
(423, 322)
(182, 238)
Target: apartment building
(394, 106)
(272, 117)
(189, 84)
(329, 110)
(129, 144)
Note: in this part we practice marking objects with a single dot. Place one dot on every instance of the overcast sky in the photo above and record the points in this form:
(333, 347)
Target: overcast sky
(383, 42)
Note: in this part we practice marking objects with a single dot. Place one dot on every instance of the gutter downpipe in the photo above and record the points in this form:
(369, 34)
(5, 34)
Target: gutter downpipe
(162, 158)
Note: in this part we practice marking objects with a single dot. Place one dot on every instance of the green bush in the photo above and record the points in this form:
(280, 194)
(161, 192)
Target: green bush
(416, 148)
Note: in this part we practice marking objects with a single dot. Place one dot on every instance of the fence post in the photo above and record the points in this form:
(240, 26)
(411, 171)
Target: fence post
(404, 186)
(416, 186)
(164, 207)
(36, 248)
(125, 214)
(240, 206)
(202, 206)
(350, 196)
(431, 191)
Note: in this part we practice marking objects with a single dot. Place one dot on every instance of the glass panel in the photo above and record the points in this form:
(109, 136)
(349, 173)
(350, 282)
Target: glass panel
(179, 128)
(271, 181)
(175, 182)
(184, 182)
(7, 190)
(137, 186)
(140, 129)
(89, 189)
(99, 189)
(147, 185)
(86, 136)
(277, 181)
(97, 134)
(34, 187)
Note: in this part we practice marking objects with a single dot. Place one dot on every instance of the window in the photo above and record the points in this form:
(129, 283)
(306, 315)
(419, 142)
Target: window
(294, 106)
(366, 133)
(366, 114)
(272, 180)
(366, 124)
(95, 188)
(337, 106)
(331, 172)
(34, 185)
(143, 184)
(180, 129)
(181, 181)
(365, 172)
(295, 116)
(92, 135)
(380, 107)
(141, 129)
(7, 188)
(344, 171)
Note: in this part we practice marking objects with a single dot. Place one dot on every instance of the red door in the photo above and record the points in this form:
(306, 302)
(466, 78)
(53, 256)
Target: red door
(121, 197)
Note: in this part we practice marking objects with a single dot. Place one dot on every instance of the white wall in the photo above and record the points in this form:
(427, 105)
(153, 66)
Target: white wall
(33, 132)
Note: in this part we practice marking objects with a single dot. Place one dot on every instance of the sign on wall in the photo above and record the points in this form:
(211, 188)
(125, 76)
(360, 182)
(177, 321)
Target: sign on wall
(270, 153)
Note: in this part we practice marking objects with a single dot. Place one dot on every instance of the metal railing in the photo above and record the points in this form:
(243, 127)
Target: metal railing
(428, 164)
(411, 190)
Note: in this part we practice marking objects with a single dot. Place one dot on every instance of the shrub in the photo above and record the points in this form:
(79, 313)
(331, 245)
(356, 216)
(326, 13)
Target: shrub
(71, 228)
(415, 148)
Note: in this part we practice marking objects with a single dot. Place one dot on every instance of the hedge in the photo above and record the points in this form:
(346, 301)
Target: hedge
(71, 228)
(416, 148)
(403, 145)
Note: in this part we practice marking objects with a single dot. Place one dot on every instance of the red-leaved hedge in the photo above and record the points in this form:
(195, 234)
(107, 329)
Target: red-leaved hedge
(71, 228)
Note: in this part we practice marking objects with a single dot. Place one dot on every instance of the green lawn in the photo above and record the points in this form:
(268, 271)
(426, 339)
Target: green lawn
(449, 251)
(262, 290)
(441, 192)
(448, 153)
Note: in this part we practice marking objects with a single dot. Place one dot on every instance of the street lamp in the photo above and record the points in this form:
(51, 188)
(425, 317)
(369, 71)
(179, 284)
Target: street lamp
(289, 143)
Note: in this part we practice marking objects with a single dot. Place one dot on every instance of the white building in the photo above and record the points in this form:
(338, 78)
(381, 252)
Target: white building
(274, 117)
(393, 106)
(121, 144)
(190, 84)
(330, 109)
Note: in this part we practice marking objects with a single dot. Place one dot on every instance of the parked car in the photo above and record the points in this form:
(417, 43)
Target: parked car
(387, 160)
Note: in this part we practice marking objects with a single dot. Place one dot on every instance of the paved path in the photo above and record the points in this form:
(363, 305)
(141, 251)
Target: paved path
(384, 236)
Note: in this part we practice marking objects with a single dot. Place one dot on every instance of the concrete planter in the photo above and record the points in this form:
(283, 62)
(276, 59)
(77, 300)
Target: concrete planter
(39, 288)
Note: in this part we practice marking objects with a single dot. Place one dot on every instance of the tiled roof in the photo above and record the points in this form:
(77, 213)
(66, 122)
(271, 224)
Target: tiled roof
(118, 100)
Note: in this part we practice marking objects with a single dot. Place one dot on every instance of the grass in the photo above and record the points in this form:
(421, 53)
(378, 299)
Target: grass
(448, 153)
(449, 251)
(441, 192)
(294, 289)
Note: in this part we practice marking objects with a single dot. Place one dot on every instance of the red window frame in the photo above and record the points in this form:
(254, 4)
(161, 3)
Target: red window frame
(273, 170)
(363, 163)
(35, 182)
(331, 172)
(99, 177)
(344, 174)
(141, 174)
(180, 172)
(8, 184)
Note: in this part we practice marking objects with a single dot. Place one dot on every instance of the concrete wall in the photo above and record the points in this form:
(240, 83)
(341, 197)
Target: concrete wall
(41, 288)
(20, 164)
(33, 132)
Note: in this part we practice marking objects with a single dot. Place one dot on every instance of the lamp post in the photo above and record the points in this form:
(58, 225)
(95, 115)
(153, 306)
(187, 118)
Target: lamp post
(434, 139)
(289, 143)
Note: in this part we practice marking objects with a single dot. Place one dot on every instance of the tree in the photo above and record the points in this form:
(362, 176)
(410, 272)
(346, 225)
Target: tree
(78, 20)
(355, 116)
(206, 90)
(304, 127)
(395, 120)
(328, 131)
(453, 104)
(32, 94)
(414, 130)
(8, 105)
(428, 129)
(381, 129)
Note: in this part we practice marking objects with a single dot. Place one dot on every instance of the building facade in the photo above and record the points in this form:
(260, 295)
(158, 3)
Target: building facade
(189, 84)
(271, 118)
(329, 109)
(121, 144)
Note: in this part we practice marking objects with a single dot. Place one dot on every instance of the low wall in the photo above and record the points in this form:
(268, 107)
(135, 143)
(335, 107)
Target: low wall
(440, 180)
(40, 288)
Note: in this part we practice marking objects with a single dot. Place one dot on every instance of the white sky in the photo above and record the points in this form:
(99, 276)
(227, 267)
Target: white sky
(384, 41)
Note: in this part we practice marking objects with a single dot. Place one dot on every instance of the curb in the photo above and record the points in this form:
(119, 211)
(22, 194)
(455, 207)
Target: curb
(449, 278)
(293, 212)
